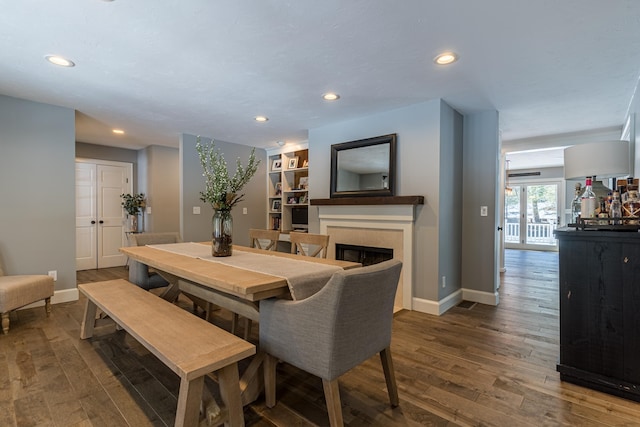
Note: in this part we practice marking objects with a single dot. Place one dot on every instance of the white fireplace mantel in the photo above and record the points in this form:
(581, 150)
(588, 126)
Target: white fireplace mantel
(368, 220)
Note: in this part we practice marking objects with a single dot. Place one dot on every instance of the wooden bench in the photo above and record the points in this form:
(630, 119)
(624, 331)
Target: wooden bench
(187, 344)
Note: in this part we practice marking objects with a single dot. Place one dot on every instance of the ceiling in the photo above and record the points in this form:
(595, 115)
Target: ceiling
(208, 67)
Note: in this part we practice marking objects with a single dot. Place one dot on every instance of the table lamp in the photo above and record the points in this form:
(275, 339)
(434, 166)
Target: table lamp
(608, 159)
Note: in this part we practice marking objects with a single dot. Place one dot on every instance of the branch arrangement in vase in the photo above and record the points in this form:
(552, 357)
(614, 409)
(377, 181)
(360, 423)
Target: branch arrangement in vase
(222, 191)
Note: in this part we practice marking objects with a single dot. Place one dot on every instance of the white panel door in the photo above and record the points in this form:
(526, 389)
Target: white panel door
(86, 217)
(99, 214)
(112, 182)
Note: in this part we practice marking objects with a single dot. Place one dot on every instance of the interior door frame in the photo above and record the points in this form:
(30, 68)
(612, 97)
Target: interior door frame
(129, 172)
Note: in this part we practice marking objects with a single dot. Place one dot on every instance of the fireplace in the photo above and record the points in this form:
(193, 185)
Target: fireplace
(365, 255)
(376, 226)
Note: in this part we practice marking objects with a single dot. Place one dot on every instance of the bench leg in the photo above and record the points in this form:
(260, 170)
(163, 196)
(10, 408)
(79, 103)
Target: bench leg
(229, 382)
(188, 412)
(89, 320)
(5, 323)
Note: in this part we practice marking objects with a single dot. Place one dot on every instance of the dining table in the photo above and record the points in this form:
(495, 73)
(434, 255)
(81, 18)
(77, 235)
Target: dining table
(237, 282)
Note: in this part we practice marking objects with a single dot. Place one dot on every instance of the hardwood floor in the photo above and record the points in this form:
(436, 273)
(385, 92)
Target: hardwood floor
(480, 366)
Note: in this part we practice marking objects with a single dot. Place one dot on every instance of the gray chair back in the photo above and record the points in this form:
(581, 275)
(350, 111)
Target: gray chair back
(346, 322)
(138, 272)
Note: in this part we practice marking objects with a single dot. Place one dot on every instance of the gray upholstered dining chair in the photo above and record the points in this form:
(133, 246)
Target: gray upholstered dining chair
(139, 273)
(337, 328)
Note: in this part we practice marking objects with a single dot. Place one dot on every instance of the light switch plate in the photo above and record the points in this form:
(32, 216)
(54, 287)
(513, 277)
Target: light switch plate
(484, 211)
(196, 210)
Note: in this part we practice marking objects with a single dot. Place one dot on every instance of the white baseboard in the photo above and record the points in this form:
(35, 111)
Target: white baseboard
(488, 298)
(437, 308)
(65, 295)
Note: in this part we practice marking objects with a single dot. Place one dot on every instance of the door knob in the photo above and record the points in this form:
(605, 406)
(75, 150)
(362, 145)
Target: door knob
(93, 222)
(101, 222)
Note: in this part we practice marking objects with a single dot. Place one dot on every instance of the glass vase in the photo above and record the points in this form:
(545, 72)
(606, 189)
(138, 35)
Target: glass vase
(222, 224)
(133, 223)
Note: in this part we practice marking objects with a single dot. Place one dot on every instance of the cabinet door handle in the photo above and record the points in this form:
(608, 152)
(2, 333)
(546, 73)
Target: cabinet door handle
(626, 260)
(93, 222)
(101, 222)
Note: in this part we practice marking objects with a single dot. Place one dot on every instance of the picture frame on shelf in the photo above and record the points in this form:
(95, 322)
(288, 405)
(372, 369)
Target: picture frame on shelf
(276, 165)
(276, 205)
(303, 199)
(303, 183)
(293, 162)
(278, 189)
(305, 164)
(292, 200)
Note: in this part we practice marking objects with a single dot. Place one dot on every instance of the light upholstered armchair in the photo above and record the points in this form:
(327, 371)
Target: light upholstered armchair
(139, 273)
(339, 327)
(19, 290)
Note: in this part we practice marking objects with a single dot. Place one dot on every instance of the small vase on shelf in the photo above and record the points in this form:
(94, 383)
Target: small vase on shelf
(222, 234)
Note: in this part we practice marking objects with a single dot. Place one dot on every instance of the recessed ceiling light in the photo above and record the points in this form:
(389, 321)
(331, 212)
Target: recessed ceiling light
(330, 96)
(59, 60)
(261, 119)
(118, 131)
(445, 58)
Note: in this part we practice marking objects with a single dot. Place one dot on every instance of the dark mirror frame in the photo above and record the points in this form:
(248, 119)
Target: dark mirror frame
(335, 153)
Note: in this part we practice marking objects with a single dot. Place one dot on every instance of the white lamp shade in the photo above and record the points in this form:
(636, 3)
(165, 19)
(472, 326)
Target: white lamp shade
(609, 159)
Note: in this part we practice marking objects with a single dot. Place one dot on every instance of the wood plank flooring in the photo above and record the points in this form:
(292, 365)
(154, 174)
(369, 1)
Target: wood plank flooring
(474, 366)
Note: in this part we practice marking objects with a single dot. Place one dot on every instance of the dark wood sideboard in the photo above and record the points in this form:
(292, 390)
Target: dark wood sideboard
(600, 310)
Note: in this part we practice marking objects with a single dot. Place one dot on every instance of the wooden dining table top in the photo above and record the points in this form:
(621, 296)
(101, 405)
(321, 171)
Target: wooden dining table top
(242, 283)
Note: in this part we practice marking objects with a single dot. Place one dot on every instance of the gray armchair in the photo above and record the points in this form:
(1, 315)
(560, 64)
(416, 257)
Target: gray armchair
(339, 327)
(139, 273)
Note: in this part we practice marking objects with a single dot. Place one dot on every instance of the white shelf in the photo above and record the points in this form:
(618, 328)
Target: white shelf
(288, 179)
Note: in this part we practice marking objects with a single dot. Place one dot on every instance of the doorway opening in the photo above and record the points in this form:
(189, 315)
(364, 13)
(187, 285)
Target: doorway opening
(532, 213)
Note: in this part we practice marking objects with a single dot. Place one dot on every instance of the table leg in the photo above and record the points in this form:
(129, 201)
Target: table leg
(89, 320)
(172, 291)
(252, 382)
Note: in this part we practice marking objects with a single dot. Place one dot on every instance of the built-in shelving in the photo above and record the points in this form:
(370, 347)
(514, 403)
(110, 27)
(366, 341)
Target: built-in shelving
(287, 185)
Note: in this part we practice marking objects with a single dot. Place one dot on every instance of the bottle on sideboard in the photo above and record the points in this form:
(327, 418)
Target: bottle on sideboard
(575, 203)
(588, 202)
(615, 209)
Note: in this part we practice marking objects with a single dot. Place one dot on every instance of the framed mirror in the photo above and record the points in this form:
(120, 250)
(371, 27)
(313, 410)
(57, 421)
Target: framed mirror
(366, 167)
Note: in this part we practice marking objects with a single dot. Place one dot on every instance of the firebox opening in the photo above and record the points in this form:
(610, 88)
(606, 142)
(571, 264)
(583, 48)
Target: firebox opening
(366, 255)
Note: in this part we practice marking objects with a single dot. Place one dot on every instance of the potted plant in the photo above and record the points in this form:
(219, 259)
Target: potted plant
(133, 204)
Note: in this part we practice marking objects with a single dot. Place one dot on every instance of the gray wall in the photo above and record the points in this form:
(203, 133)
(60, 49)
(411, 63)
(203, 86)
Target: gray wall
(37, 189)
(418, 173)
(159, 180)
(481, 152)
(450, 196)
(198, 227)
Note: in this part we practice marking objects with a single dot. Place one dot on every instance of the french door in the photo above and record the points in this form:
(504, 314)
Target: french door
(99, 214)
(531, 216)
